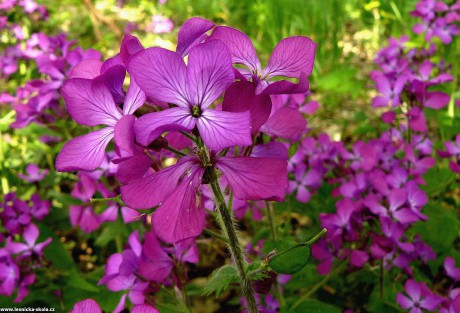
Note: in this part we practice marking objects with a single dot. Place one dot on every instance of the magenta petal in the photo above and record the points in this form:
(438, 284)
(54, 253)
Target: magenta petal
(144, 308)
(255, 178)
(150, 191)
(30, 234)
(84, 152)
(413, 289)
(179, 217)
(209, 73)
(437, 100)
(124, 135)
(404, 301)
(240, 46)
(150, 126)
(220, 129)
(157, 265)
(135, 98)
(161, 74)
(241, 96)
(86, 306)
(84, 217)
(292, 56)
(285, 87)
(286, 123)
(129, 46)
(89, 69)
(113, 78)
(90, 106)
(192, 32)
(133, 167)
(271, 150)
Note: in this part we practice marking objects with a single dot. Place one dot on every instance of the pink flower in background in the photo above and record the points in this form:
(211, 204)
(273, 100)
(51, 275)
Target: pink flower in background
(160, 24)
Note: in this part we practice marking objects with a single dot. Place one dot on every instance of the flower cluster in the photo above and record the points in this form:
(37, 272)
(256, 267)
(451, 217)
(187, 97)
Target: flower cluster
(54, 56)
(176, 146)
(438, 20)
(19, 260)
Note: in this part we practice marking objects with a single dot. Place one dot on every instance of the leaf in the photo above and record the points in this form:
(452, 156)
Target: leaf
(312, 306)
(221, 279)
(441, 229)
(291, 260)
(76, 280)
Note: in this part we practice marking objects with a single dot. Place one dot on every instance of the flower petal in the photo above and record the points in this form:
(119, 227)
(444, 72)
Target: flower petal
(135, 98)
(84, 152)
(209, 73)
(129, 46)
(240, 46)
(286, 123)
(161, 74)
(241, 96)
(157, 265)
(144, 308)
(89, 69)
(192, 32)
(220, 129)
(150, 126)
(179, 217)
(255, 178)
(124, 136)
(90, 106)
(284, 87)
(292, 56)
(86, 306)
(147, 192)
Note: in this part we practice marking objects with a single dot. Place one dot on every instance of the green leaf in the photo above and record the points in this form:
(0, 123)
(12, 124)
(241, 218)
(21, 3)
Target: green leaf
(291, 260)
(221, 279)
(312, 306)
(441, 229)
(76, 280)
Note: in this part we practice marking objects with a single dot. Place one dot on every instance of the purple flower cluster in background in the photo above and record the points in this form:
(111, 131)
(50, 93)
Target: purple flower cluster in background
(379, 182)
(438, 20)
(21, 252)
(54, 56)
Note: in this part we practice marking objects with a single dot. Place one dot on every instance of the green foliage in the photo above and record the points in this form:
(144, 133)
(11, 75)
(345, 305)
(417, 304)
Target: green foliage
(313, 306)
(220, 280)
(292, 260)
(441, 229)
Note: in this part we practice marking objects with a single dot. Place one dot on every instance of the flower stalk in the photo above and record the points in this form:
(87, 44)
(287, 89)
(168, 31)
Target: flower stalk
(234, 246)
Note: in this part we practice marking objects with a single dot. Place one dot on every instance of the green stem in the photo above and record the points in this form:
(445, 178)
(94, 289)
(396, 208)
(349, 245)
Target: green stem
(271, 221)
(117, 199)
(339, 269)
(318, 235)
(234, 245)
(216, 235)
(188, 136)
(176, 152)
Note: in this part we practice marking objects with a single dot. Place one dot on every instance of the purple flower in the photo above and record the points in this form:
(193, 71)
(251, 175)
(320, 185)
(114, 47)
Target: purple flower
(34, 174)
(86, 306)
(174, 190)
(418, 297)
(156, 265)
(120, 273)
(160, 24)
(390, 90)
(9, 274)
(31, 246)
(292, 57)
(451, 271)
(164, 76)
(90, 103)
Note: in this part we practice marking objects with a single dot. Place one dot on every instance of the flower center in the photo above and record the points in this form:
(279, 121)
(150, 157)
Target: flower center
(196, 111)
